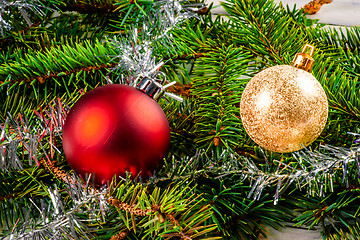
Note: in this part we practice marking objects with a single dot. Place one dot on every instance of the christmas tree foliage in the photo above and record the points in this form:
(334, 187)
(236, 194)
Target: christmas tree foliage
(215, 182)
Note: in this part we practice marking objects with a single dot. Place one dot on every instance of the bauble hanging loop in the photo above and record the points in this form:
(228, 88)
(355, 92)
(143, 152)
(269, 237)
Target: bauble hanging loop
(149, 85)
(303, 60)
(284, 108)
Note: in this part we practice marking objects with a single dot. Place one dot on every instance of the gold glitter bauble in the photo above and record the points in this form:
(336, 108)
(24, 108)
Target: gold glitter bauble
(284, 108)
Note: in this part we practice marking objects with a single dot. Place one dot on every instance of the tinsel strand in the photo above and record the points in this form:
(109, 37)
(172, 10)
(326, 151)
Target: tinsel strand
(313, 167)
(135, 56)
(22, 5)
(19, 132)
(56, 220)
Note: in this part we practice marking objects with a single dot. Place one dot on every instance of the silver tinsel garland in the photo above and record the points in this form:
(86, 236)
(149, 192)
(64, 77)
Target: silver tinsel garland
(136, 56)
(18, 132)
(56, 221)
(136, 59)
(23, 6)
(314, 171)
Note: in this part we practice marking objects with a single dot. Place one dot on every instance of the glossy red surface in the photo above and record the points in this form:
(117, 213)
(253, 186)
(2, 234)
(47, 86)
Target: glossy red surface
(113, 129)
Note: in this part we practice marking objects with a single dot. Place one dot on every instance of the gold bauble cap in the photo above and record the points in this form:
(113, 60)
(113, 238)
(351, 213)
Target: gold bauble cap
(303, 60)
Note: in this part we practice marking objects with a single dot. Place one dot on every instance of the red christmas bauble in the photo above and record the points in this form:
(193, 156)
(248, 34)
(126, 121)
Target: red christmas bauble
(113, 129)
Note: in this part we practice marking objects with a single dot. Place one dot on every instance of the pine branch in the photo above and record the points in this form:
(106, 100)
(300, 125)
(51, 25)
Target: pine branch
(230, 196)
(155, 209)
(129, 208)
(132, 208)
(270, 38)
(58, 219)
(316, 172)
(59, 173)
(20, 9)
(7, 197)
(64, 69)
(4, 41)
(60, 60)
(217, 89)
(188, 56)
(174, 210)
(91, 7)
(21, 132)
(109, 6)
(120, 236)
(183, 90)
(337, 214)
(43, 78)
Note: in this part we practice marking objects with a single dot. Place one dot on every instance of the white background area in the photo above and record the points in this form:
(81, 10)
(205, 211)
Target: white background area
(339, 12)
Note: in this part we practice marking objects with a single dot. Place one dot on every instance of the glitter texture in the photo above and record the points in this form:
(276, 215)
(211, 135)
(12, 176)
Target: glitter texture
(283, 108)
